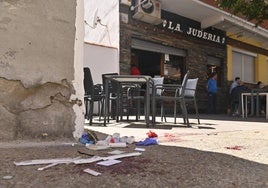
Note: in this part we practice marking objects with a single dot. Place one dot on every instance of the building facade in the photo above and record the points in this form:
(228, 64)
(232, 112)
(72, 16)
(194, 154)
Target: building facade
(167, 41)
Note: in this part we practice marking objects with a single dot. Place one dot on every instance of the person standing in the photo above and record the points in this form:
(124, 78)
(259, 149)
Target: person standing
(212, 93)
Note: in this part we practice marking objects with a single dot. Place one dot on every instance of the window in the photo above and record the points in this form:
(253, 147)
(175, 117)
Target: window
(173, 68)
(243, 66)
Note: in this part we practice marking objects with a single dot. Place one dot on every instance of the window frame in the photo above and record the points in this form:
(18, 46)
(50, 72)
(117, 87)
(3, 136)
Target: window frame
(243, 54)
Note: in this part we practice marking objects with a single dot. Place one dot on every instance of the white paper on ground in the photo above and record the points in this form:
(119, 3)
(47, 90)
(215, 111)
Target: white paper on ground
(92, 172)
(109, 162)
(45, 161)
(118, 145)
(88, 160)
(139, 149)
(97, 147)
(122, 156)
(48, 166)
(116, 152)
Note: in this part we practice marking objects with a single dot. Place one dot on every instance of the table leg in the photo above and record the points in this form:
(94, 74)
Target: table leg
(252, 105)
(246, 106)
(266, 105)
(242, 105)
(147, 119)
(257, 105)
(106, 101)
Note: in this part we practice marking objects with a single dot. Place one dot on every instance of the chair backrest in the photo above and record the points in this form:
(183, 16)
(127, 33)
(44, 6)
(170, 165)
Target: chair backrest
(88, 82)
(112, 86)
(190, 87)
(183, 84)
(157, 80)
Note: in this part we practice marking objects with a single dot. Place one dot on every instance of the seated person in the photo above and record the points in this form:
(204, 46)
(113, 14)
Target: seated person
(134, 70)
(234, 84)
(262, 99)
(236, 97)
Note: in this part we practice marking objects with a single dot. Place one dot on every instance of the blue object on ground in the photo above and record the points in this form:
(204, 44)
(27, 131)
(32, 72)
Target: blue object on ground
(147, 142)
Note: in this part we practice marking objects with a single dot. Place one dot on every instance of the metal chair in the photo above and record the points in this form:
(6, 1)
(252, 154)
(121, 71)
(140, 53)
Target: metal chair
(171, 92)
(93, 93)
(112, 93)
(189, 94)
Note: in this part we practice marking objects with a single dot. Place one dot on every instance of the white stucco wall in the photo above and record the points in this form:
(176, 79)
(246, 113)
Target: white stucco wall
(101, 49)
(100, 60)
(106, 33)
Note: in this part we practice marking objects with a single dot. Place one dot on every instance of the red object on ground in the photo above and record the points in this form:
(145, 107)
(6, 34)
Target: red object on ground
(235, 147)
(152, 134)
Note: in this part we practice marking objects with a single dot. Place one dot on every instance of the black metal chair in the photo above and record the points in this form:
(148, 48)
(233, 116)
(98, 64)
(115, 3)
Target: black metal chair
(112, 93)
(93, 93)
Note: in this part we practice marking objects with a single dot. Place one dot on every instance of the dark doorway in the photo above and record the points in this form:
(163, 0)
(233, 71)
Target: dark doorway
(148, 62)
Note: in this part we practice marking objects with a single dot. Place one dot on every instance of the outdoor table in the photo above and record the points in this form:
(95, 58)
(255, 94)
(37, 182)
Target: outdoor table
(126, 80)
(244, 108)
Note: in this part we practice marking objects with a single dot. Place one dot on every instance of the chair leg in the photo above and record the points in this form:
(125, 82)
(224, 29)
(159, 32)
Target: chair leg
(99, 109)
(86, 106)
(184, 113)
(91, 112)
(163, 115)
(196, 111)
(175, 111)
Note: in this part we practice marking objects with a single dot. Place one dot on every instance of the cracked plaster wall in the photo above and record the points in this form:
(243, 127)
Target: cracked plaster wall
(37, 68)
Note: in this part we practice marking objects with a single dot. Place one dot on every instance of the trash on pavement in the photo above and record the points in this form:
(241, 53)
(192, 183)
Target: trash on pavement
(92, 172)
(152, 134)
(116, 152)
(147, 142)
(139, 149)
(109, 162)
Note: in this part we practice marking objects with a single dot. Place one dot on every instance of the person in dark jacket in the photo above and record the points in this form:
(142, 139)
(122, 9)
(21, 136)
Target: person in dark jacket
(236, 97)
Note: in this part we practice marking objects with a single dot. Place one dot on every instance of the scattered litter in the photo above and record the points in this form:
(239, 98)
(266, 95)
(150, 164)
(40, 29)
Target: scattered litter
(97, 158)
(109, 162)
(118, 145)
(212, 134)
(97, 147)
(92, 172)
(130, 140)
(88, 160)
(89, 137)
(116, 152)
(152, 134)
(147, 142)
(46, 161)
(139, 149)
(48, 166)
(235, 147)
(8, 177)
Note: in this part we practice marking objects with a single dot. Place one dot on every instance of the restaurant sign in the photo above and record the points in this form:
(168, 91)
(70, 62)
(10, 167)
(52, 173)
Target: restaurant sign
(194, 32)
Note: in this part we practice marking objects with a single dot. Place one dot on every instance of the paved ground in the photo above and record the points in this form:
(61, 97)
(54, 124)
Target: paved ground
(245, 138)
(220, 152)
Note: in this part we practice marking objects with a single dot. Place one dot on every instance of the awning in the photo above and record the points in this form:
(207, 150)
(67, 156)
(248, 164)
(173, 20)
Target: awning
(210, 16)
